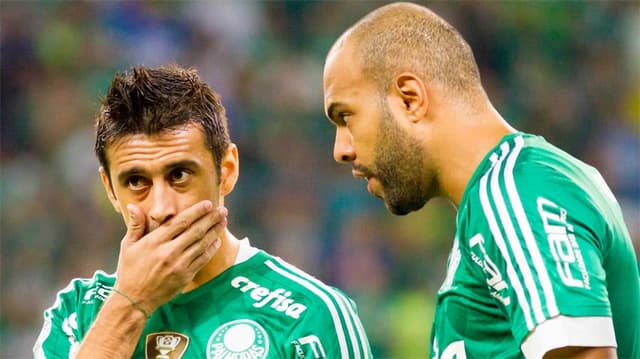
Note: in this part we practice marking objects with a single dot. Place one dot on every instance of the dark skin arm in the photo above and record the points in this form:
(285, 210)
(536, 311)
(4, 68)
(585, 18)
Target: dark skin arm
(582, 353)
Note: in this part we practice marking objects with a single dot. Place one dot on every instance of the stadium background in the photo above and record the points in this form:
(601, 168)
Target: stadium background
(566, 70)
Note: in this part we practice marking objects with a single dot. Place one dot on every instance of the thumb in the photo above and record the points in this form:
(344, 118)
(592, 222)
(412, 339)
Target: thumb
(136, 223)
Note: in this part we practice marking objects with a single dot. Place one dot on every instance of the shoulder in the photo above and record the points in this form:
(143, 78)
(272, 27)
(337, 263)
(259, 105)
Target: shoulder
(309, 290)
(531, 159)
(275, 283)
(328, 315)
(528, 157)
(72, 312)
(84, 291)
(526, 169)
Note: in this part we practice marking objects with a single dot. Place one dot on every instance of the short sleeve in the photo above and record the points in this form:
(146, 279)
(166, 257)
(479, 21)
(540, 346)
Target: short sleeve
(545, 242)
(59, 336)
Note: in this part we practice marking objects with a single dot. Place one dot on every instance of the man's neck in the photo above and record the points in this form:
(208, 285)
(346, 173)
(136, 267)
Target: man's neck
(221, 261)
(474, 138)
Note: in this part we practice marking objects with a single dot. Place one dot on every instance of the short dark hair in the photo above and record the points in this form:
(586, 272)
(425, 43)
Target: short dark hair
(155, 100)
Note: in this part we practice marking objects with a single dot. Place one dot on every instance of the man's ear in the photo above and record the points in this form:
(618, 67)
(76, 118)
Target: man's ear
(411, 93)
(106, 182)
(229, 170)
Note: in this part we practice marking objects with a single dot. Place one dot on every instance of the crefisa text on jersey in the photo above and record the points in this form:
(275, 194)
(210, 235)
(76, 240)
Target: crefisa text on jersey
(278, 298)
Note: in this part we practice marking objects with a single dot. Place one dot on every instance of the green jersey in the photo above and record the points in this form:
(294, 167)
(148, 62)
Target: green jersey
(542, 259)
(261, 307)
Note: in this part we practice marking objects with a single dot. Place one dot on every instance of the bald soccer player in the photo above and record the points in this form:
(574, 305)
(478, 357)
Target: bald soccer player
(542, 264)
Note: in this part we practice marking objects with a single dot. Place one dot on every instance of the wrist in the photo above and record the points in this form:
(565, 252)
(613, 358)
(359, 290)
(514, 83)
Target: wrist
(115, 332)
(122, 309)
(136, 304)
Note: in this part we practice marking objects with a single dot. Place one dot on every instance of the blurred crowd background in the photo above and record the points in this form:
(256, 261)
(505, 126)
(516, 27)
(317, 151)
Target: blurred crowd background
(566, 70)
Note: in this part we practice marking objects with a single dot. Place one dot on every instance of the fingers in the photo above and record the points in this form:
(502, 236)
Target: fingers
(200, 252)
(136, 224)
(200, 227)
(195, 219)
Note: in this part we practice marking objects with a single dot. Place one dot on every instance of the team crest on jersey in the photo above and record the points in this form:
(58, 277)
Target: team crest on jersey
(242, 338)
(165, 345)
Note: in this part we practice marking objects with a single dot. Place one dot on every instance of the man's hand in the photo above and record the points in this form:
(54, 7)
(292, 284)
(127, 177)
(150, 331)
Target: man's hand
(152, 269)
(155, 267)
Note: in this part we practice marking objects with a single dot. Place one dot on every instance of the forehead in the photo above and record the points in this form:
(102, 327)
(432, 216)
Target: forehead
(188, 141)
(343, 77)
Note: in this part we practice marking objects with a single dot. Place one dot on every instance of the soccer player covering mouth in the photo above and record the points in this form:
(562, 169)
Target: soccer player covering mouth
(542, 264)
(185, 286)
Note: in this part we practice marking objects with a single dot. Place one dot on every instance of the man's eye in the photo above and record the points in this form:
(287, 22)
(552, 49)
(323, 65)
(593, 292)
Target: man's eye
(179, 175)
(344, 116)
(136, 182)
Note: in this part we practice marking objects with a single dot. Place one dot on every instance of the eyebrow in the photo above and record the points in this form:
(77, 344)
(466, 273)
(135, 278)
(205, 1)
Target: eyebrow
(124, 175)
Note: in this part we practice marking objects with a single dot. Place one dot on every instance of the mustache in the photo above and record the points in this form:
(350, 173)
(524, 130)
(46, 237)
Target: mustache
(362, 169)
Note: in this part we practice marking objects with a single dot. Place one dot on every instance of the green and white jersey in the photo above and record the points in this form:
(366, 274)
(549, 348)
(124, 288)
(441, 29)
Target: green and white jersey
(542, 259)
(261, 307)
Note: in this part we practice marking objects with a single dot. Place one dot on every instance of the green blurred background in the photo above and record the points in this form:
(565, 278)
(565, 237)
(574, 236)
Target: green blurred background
(566, 70)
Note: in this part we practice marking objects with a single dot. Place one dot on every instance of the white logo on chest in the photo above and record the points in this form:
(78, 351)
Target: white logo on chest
(238, 339)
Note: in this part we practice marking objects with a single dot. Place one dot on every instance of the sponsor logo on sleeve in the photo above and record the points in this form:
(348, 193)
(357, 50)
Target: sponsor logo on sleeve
(99, 292)
(563, 245)
(278, 299)
(241, 338)
(497, 285)
(165, 345)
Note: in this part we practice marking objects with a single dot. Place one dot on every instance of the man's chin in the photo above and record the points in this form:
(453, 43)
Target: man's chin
(397, 210)
(402, 209)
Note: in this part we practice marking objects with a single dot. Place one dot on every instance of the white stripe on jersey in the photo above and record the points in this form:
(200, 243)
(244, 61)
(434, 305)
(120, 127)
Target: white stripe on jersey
(495, 231)
(319, 288)
(525, 229)
(512, 236)
(342, 304)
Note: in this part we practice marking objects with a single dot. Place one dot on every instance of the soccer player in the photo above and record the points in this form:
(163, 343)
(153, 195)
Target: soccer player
(542, 264)
(185, 286)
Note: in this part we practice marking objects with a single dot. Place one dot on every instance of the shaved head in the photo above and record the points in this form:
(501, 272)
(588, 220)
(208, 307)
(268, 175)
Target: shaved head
(403, 37)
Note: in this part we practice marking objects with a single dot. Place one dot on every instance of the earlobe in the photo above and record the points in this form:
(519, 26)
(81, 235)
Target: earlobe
(411, 89)
(229, 170)
(106, 183)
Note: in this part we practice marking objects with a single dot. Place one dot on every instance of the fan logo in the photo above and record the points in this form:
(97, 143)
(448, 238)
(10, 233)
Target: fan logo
(563, 245)
(165, 345)
(242, 338)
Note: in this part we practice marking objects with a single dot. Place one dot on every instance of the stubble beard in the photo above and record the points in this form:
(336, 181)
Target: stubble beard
(399, 166)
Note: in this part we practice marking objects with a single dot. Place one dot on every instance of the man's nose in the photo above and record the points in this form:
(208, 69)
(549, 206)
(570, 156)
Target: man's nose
(343, 147)
(164, 204)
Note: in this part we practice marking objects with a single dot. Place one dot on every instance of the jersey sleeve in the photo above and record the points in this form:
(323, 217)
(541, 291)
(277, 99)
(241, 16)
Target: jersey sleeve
(332, 330)
(59, 336)
(69, 318)
(544, 244)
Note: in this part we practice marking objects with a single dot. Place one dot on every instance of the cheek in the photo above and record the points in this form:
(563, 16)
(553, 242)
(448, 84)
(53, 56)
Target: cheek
(206, 189)
(364, 141)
